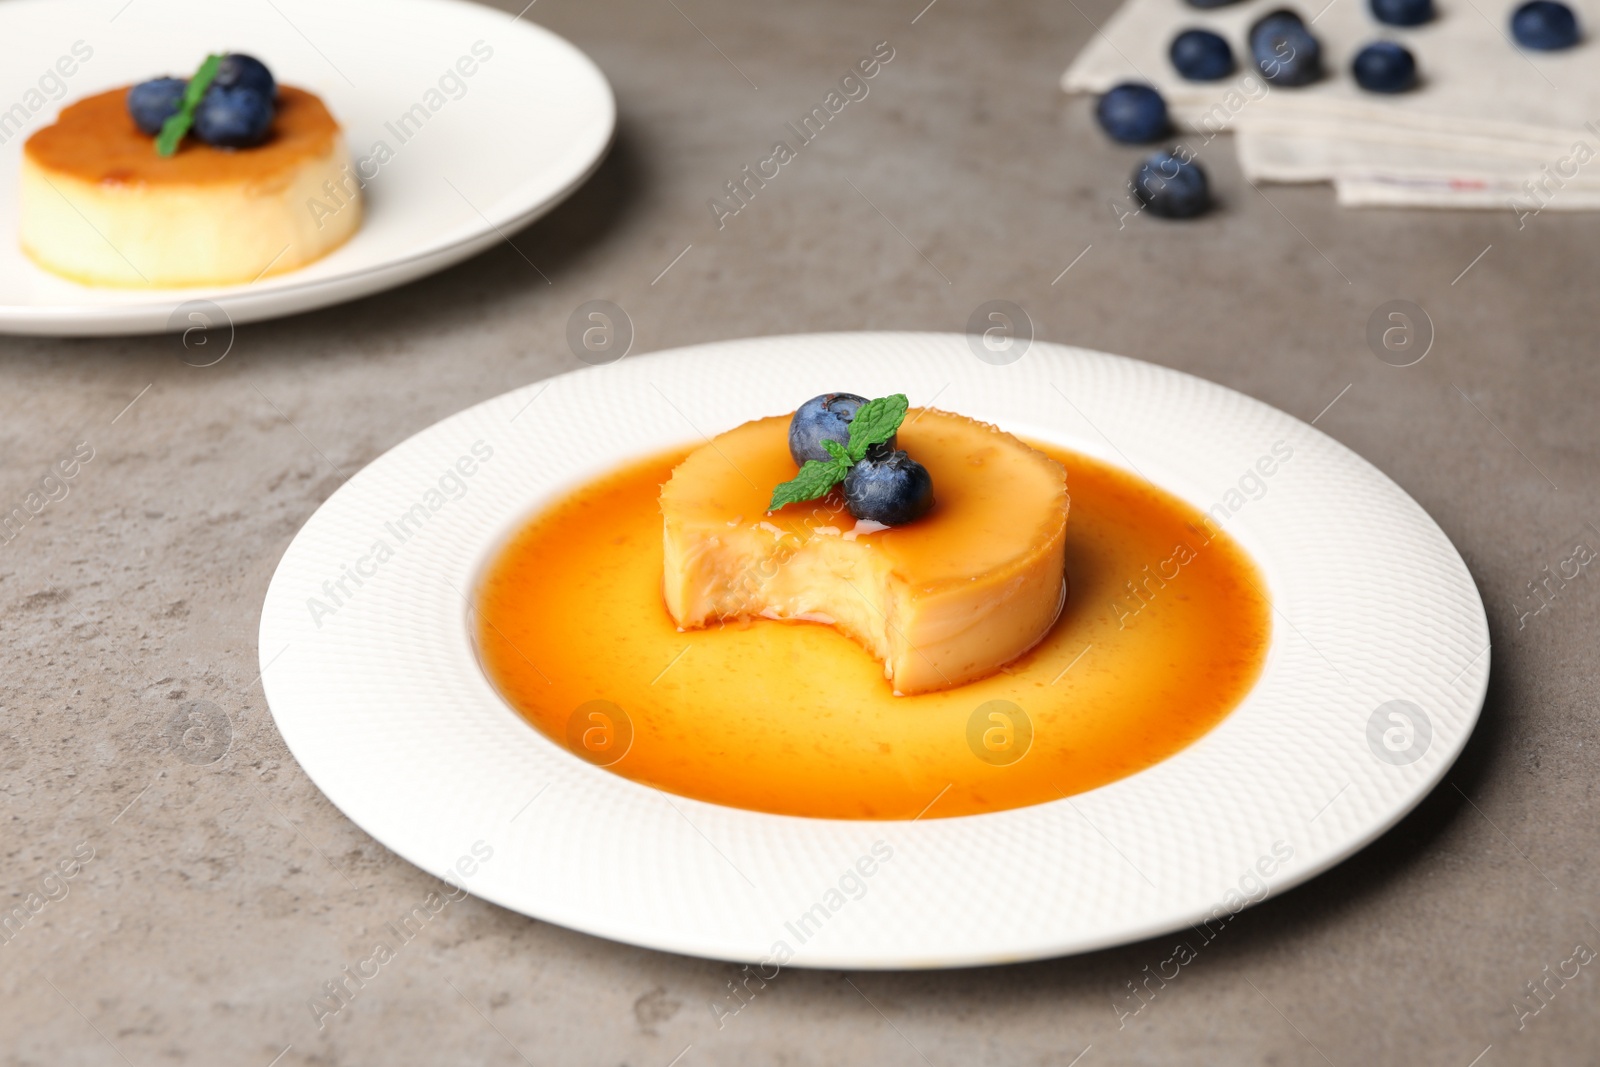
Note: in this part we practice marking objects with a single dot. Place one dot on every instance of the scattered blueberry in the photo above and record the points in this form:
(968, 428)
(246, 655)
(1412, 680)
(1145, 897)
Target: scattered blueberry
(239, 71)
(1132, 113)
(1544, 25)
(1171, 187)
(1201, 56)
(1385, 67)
(153, 102)
(888, 487)
(233, 117)
(822, 418)
(1402, 12)
(1284, 49)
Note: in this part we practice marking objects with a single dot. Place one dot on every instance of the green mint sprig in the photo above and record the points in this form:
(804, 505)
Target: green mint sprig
(174, 129)
(876, 422)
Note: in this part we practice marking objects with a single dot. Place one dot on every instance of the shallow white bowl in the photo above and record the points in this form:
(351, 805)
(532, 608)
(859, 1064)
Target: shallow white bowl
(385, 706)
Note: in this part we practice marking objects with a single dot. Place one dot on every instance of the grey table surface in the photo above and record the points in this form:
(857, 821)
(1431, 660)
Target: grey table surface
(221, 896)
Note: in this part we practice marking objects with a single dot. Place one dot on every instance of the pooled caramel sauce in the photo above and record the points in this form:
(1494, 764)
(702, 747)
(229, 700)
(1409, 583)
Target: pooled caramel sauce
(1165, 630)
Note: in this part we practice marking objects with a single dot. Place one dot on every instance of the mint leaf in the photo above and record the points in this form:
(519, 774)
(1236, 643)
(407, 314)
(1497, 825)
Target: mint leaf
(813, 481)
(174, 129)
(876, 422)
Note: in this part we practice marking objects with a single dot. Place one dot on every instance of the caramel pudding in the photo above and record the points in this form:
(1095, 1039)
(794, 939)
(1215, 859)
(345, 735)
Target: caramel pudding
(1165, 630)
(99, 205)
(941, 601)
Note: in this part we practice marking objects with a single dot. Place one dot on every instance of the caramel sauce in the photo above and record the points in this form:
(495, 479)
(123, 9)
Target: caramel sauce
(95, 140)
(794, 718)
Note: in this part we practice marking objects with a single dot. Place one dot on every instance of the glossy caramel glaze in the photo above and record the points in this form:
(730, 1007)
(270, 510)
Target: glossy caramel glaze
(796, 719)
(976, 525)
(95, 140)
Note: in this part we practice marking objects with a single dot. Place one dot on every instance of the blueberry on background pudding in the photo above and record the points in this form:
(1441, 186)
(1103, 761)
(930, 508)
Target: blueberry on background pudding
(1171, 187)
(153, 102)
(1284, 50)
(1201, 56)
(239, 71)
(822, 418)
(888, 486)
(233, 117)
(1402, 12)
(1544, 25)
(1385, 67)
(1132, 113)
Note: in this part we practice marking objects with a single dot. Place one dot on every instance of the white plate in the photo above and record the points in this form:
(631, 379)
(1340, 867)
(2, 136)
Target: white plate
(384, 704)
(499, 148)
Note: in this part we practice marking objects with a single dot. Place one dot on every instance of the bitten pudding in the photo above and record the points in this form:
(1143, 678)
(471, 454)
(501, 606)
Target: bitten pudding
(948, 597)
(1164, 631)
(102, 205)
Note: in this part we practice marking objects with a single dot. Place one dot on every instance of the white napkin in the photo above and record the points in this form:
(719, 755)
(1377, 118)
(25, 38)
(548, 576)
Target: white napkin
(1487, 119)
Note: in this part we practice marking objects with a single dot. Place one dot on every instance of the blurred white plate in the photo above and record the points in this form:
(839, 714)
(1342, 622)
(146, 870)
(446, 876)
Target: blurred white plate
(1375, 677)
(498, 149)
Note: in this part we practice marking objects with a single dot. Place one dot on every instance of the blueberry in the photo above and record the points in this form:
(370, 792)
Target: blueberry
(239, 71)
(1201, 56)
(822, 418)
(1544, 25)
(1402, 12)
(888, 486)
(153, 102)
(1171, 187)
(233, 118)
(1132, 113)
(1385, 67)
(1284, 50)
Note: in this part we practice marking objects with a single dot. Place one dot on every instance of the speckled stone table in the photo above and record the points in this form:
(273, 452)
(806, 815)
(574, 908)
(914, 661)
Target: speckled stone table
(212, 893)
